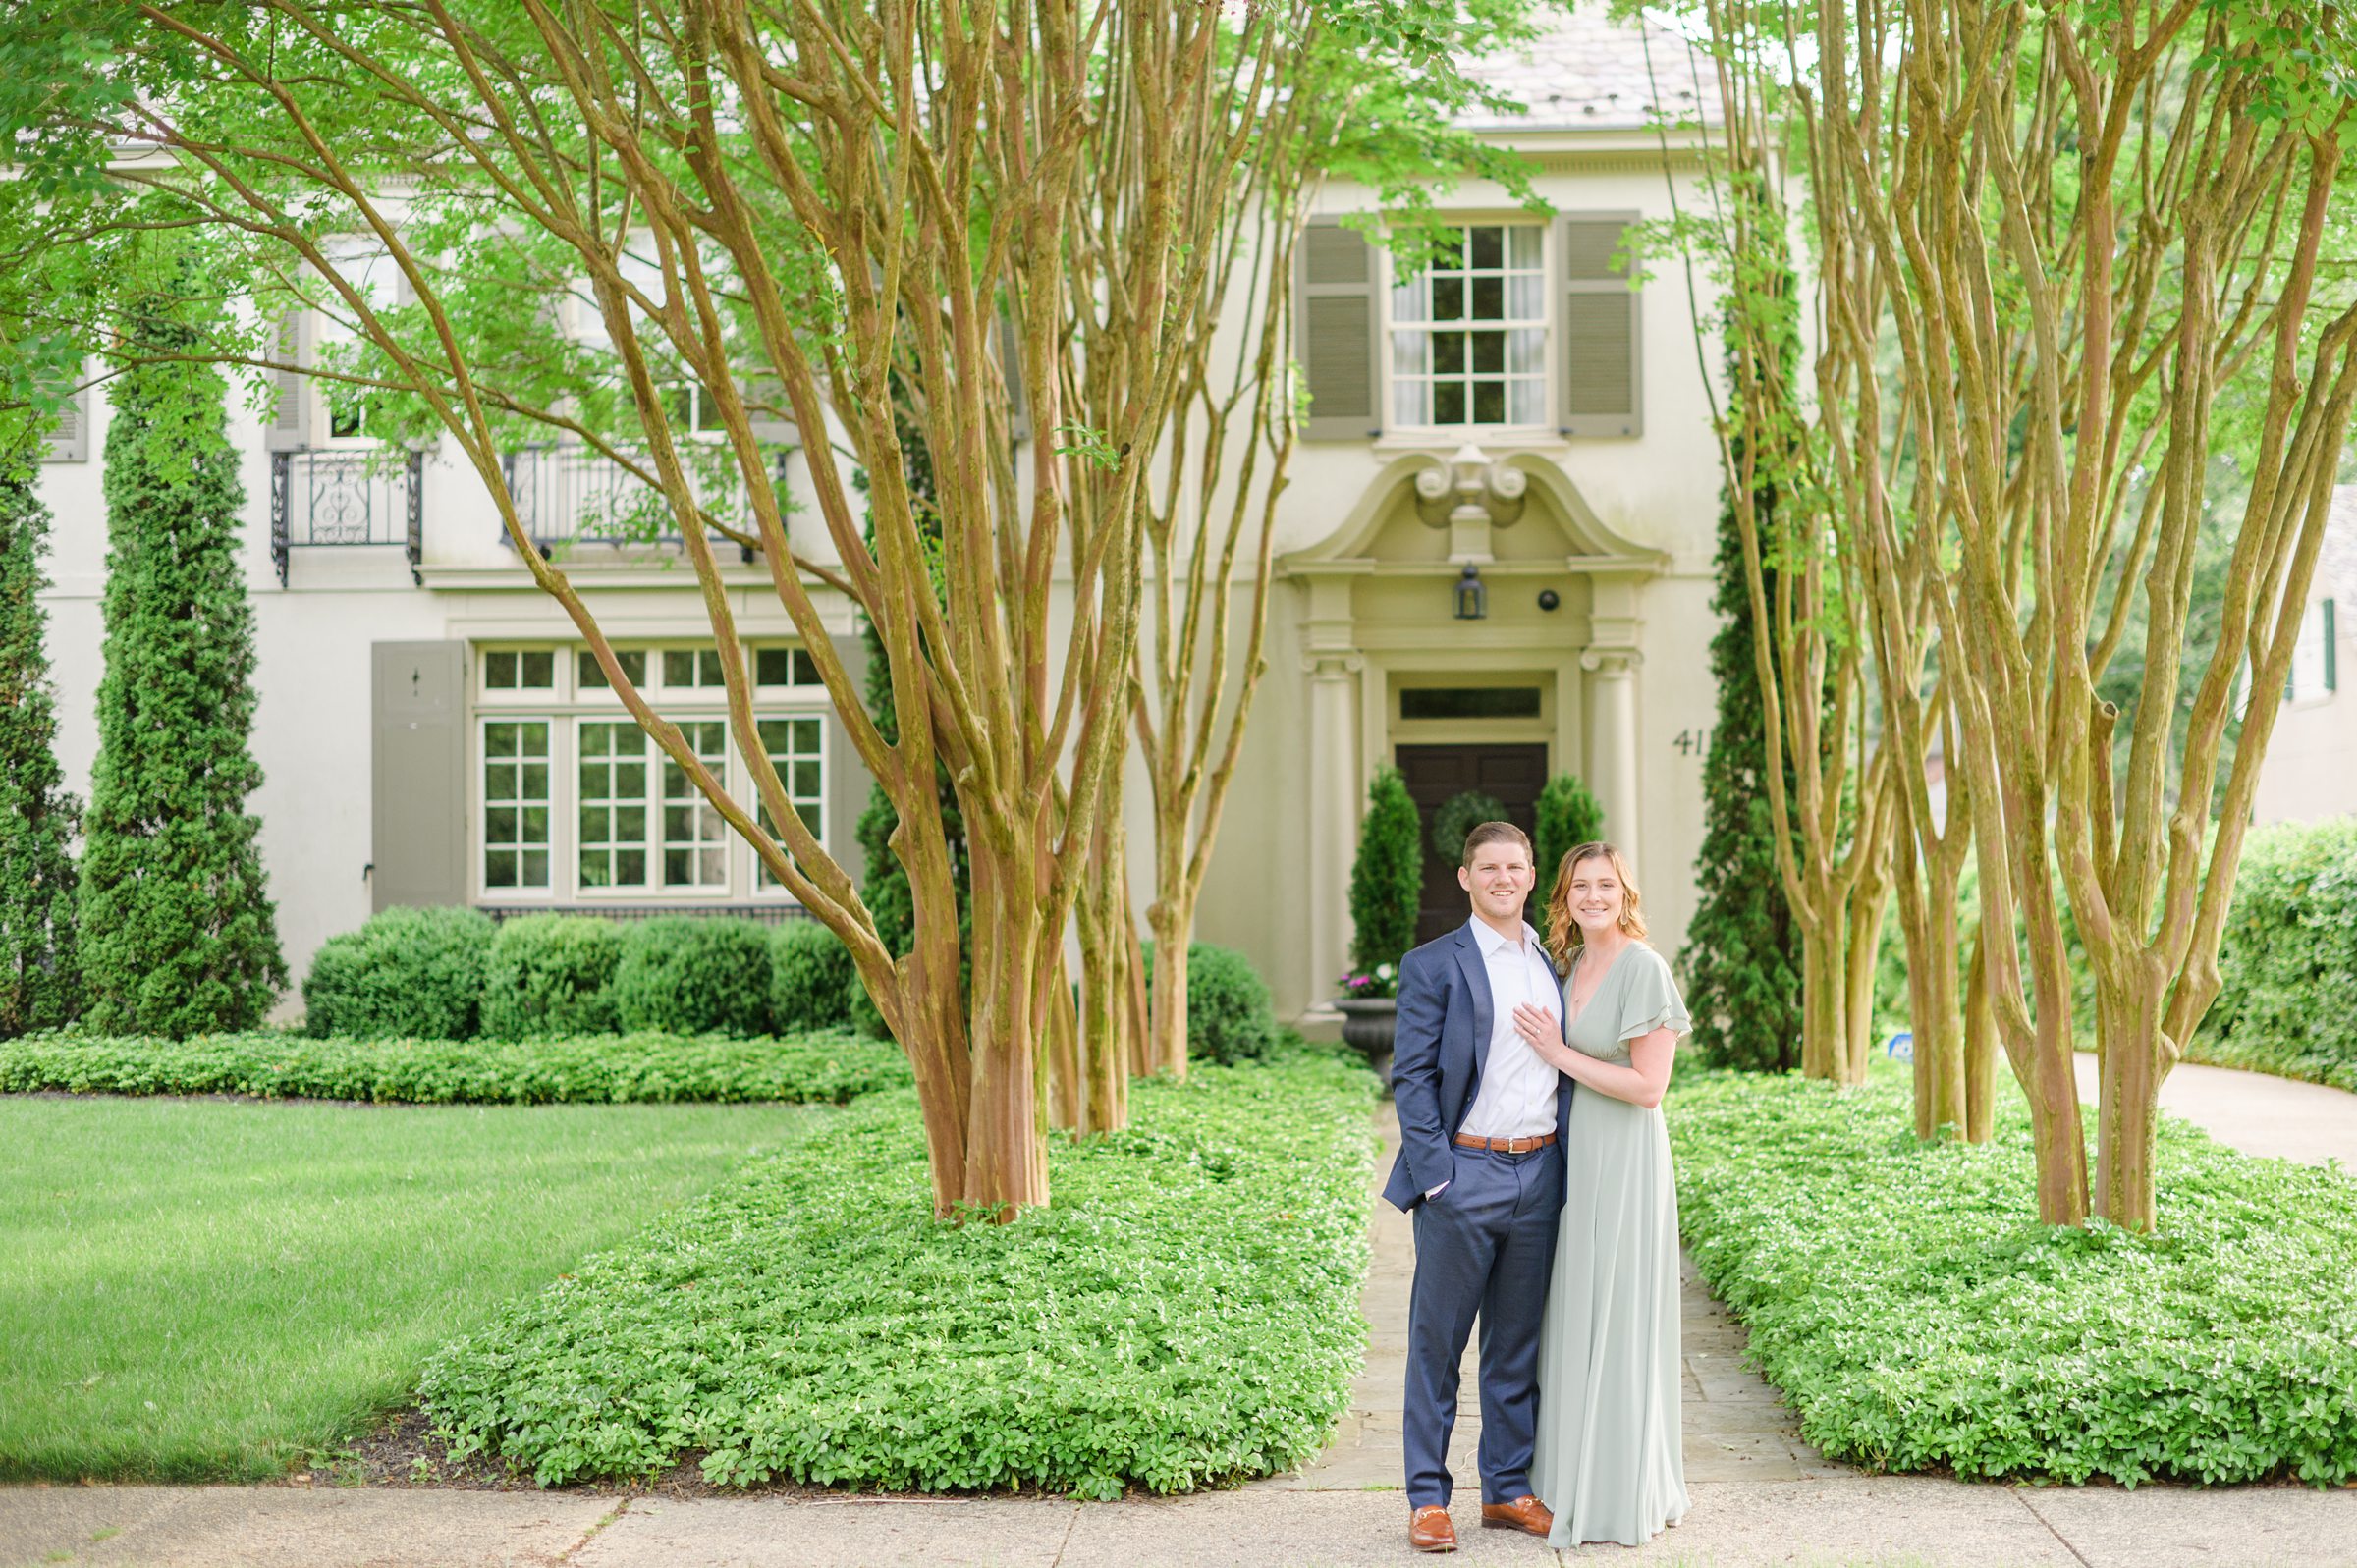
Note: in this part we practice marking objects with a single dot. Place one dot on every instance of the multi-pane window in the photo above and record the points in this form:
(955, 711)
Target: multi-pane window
(794, 747)
(784, 667)
(516, 802)
(612, 820)
(1469, 332)
(694, 836)
(520, 670)
(576, 800)
(593, 673)
(689, 668)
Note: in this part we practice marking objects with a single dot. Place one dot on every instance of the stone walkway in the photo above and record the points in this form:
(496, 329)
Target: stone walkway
(1761, 1498)
(1735, 1426)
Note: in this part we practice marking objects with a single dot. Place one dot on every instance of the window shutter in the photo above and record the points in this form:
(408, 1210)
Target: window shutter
(418, 812)
(70, 437)
(1603, 390)
(1334, 331)
(291, 418)
(1011, 366)
(847, 781)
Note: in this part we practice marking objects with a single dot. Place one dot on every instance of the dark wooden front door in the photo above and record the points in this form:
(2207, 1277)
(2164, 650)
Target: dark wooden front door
(1513, 774)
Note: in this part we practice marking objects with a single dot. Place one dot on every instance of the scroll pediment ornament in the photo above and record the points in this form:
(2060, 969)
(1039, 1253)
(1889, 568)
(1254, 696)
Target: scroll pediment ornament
(1470, 494)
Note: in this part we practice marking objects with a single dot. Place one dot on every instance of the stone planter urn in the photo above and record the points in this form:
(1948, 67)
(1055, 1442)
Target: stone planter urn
(1367, 1027)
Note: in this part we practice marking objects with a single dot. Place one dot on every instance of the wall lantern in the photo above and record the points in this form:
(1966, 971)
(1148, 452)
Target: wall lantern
(1472, 598)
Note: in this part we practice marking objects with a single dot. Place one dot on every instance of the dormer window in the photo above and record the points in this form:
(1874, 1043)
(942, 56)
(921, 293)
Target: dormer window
(1468, 333)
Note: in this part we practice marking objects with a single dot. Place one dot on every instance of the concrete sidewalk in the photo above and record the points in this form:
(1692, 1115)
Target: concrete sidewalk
(1845, 1520)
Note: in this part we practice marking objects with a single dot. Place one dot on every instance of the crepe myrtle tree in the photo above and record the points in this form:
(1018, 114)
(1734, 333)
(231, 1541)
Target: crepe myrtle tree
(2068, 260)
(1376, 105)
(529, 222)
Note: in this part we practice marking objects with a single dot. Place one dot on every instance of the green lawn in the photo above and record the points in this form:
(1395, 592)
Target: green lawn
(209, 1290)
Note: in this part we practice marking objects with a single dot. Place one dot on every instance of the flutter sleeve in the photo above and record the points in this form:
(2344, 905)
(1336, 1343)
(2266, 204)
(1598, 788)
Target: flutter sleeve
(1651, 1000)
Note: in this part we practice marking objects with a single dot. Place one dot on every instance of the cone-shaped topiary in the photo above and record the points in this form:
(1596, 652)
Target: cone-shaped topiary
(1386, 879)
(177, 935)
(1742, 960)
(38, 987)
(1569, 817)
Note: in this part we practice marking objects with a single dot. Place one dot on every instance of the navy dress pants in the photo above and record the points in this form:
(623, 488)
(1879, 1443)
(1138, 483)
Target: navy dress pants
(1485, 1245)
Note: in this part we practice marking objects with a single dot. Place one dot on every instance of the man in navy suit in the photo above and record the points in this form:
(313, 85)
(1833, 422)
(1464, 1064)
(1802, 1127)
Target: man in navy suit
(1482, 1120)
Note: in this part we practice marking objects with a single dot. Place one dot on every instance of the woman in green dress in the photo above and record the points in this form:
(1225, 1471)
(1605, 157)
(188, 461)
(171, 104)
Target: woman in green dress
(1607, 1460)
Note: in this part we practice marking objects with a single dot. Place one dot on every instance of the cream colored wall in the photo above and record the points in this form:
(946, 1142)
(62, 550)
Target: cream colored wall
(312, 733)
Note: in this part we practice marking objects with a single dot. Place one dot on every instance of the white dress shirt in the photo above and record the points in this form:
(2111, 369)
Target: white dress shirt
(1517, 1097)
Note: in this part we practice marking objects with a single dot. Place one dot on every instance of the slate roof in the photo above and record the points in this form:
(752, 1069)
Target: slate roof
(1586, 72)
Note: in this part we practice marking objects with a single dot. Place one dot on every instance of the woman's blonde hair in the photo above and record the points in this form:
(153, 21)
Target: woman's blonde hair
(1563, 932)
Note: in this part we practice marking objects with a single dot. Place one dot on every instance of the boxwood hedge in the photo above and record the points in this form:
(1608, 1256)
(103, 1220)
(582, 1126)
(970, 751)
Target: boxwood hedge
(551, 975)
(416, 972)
(826, 1068)
(1185, 1314)
(1917, 1318)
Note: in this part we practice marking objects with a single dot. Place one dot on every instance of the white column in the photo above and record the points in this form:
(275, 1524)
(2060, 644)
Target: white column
(1613, 740)
(1333, 775)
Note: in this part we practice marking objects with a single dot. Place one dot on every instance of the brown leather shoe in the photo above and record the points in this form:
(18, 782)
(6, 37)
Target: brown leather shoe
(1429, 1529)
(1524, 1513)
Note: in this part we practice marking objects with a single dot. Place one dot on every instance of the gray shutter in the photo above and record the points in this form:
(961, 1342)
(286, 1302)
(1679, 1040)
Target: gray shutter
(289, 427)
(1011, 365)
(1334, 303)
(847, 779)
(417, 779)
(70, 437)
(1603, 389)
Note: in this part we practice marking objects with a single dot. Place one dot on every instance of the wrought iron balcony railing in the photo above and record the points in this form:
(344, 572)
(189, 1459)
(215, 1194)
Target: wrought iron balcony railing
(571, 495)
(347, 498)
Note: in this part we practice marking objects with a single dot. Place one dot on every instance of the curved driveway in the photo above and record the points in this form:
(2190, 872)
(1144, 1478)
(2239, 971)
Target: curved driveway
(2255, 1112)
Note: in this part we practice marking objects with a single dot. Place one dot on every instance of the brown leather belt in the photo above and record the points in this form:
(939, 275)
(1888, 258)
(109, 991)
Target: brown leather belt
(1505, 1146)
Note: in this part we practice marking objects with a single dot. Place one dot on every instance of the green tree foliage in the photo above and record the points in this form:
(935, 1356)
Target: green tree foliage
(1569, 816)
(1742, 961)
(177, 935)
(1386, 879)
(37, 818)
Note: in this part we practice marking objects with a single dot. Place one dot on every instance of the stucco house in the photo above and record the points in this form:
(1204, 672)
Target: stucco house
(2310, 771)
(1494, 558)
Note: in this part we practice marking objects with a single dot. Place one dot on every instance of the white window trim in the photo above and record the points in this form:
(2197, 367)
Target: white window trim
(479, 817)
(1542, 434)
(565, 708)
(813, 706)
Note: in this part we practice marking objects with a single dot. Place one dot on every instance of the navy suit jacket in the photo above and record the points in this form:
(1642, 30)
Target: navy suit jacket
(1438, 1047)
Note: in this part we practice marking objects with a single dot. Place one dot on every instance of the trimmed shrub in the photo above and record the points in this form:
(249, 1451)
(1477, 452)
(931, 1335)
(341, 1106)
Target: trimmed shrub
(412, 974)
(1917, 1316)
(1185, 1315)
(1386, 879)
(1568, 816)
(1229, 1018)
(2288, 968)
(176, 933)
(551, 975)
(693, 976)
(828, 1068)
(39, 975)
(811, 977)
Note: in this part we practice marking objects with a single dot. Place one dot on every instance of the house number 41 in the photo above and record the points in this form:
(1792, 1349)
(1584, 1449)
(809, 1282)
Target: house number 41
(1692, 742)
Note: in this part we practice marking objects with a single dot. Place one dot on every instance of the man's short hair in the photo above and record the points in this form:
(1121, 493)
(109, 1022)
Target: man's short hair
(1492, 833)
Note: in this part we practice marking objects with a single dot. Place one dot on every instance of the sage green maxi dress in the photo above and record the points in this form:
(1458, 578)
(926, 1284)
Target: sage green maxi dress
(1608, 1461)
